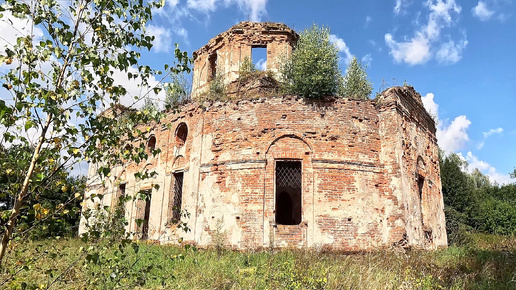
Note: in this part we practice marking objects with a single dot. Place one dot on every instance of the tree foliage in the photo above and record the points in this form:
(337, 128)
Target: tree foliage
(355, 84)
(473, 203)
(312, 71)
(59, 82)
(51, 210)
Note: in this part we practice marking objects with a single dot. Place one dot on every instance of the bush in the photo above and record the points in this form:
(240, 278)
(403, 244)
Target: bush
(312, 71)
(217, 88)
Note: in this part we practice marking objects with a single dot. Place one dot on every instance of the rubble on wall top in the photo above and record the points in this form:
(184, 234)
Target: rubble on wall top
(407, 91)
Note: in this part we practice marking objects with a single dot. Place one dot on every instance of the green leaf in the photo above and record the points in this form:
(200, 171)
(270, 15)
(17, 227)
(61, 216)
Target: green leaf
(29, 124)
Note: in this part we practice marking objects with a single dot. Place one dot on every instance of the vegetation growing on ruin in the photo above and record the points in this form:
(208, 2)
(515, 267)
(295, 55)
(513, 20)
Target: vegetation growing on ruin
(312, 71)
(217, 90)
(355, 84)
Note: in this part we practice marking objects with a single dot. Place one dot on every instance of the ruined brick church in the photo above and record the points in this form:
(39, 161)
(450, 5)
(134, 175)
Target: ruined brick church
(283, 171)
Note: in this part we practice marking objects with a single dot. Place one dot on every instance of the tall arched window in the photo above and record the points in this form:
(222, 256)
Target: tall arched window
(181, 134)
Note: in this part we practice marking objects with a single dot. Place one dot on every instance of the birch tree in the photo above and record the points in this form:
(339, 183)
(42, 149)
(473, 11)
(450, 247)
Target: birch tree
(58, 82)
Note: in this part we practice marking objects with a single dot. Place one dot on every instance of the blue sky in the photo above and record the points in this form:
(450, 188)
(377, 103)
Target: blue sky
(459, 55)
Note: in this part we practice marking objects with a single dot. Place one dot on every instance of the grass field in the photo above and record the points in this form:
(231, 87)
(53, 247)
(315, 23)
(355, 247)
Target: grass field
(72, 264)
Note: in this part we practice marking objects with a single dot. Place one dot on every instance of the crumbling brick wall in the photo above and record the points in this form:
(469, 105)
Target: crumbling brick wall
(359, 173)
(365, 173)
(225, 53)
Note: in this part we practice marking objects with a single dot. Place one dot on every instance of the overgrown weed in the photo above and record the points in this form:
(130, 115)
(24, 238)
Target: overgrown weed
(491, 264)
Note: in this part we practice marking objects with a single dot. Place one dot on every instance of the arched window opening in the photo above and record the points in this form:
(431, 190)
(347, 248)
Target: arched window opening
(151, 144)
(288, 192)
(181, 134)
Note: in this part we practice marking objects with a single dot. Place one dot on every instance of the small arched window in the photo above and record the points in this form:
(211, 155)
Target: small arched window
(151, 144)
(181, 134)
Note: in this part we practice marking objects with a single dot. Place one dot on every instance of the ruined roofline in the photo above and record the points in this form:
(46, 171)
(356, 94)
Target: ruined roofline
(248, 27)
(410, 100)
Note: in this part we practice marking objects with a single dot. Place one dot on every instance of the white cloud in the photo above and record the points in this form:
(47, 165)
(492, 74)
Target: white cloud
(342, 47)
(450, 137)
(400, 6)
(487, 169)
(481, 11)
(453, 137)
(430, 105)
(451, 52)
(415, 51)
(254, 9)
(492, 131)
(202, 5)
(418, 49)
(171, 3)
(13, 27)
(162, 38)
(261, 65)
(366, 60)
(135, 90)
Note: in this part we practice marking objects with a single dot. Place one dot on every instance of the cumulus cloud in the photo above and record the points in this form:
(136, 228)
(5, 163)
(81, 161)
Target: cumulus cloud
(162, 37)
(453, 136)
(418, 48)
(415, 51)
(254, 9)
(341, 46)
(481, 11)
(485, 168)
(481, 144)
(136, 91)
(430, 105)
(451, 52)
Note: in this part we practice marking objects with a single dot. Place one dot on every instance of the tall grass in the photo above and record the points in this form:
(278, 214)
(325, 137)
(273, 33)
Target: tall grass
(491, 264)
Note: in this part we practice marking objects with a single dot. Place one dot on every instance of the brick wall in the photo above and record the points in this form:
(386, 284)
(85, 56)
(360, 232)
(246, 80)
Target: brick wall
(359, 163)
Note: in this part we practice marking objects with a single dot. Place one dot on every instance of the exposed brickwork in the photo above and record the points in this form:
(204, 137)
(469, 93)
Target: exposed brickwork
(225, 53)
(369, 171)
